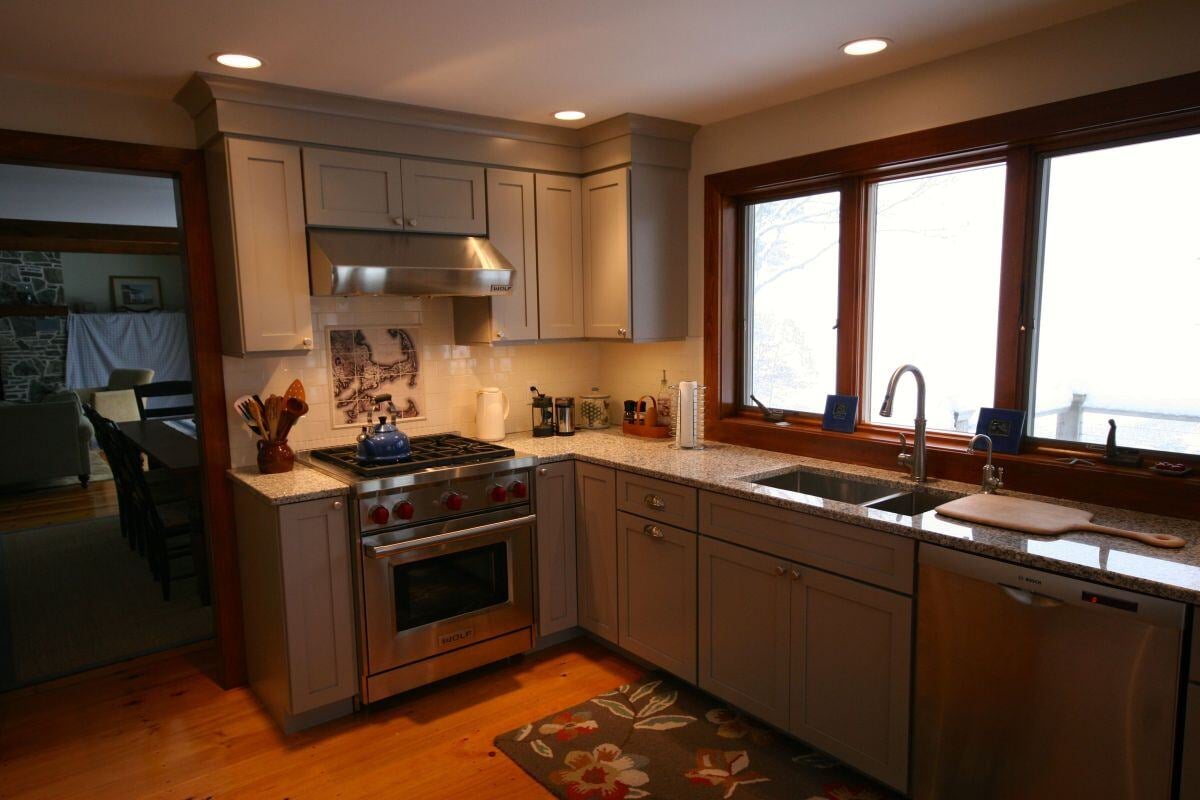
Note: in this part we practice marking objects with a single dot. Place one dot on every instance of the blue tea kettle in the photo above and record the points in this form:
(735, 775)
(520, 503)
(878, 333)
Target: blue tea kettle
(385, 444)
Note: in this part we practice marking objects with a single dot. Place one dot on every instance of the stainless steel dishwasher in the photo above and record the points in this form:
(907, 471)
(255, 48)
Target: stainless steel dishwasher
(1031, 684)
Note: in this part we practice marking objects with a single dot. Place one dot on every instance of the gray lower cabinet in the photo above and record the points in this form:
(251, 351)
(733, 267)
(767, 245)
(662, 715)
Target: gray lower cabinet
(596, 549)
(850, 660)
(824, 657)
(1189, 777)
(555, 497)
(744, 625)
(297, 607)
(656, 590)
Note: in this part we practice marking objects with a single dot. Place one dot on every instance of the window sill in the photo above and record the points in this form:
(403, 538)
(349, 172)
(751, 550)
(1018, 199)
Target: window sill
(1036, 471)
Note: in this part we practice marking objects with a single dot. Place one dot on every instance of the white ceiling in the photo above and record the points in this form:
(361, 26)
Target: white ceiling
(691, 60)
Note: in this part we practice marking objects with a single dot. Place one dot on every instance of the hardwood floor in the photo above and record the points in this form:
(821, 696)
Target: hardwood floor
(160, 727)
(43, 507)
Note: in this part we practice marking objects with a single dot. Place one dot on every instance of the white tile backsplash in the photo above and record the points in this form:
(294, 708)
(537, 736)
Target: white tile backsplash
(451, 373)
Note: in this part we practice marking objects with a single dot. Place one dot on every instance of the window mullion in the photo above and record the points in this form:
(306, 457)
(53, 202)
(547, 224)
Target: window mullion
(1016, 273)
(851, 340)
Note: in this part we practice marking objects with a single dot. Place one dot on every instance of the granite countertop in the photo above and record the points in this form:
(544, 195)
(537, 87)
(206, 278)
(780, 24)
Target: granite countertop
(302, 483)
(727, 469)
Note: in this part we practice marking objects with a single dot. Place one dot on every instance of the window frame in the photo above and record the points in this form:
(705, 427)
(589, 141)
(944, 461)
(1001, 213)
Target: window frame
(1024, 140)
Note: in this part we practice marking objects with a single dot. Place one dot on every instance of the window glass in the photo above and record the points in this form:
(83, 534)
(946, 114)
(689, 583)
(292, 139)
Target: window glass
(935, 283)
(793, 301)
(1119, 306)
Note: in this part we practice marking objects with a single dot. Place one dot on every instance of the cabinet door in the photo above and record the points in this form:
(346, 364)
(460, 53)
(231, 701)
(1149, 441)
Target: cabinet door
(560, 257)
(606, 264)
(596, 543)
(656, 587)
(512, 229)
(315, 551)
(851, 655)
(267, 199)
(744, 629)
(1189, 772)
(352, 190)
(444, 198)
(555, 492)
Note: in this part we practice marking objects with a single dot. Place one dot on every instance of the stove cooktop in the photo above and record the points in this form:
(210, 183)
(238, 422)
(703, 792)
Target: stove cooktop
(435, 450)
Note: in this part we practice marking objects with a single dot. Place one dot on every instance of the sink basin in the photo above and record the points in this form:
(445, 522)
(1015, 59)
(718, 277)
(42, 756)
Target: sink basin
(909, 504)
(830, 487)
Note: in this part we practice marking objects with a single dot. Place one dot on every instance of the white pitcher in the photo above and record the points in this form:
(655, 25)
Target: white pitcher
(491, 409)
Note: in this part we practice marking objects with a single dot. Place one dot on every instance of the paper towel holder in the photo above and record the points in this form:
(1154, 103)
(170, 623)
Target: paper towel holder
(687, 421)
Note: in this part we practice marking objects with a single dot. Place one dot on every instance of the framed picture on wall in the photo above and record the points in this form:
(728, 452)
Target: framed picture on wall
(135, 292)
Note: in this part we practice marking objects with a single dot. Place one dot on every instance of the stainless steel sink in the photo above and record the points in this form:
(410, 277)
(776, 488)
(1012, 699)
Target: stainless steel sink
(909, 504)
(830, 487)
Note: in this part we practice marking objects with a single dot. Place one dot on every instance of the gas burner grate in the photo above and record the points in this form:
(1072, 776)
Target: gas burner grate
(435, 450)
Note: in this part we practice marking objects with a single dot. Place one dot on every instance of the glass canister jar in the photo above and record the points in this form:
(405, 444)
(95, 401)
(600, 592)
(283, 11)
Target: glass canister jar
(594, 410)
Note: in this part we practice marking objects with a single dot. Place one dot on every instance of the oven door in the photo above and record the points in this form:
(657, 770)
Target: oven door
(427, 592)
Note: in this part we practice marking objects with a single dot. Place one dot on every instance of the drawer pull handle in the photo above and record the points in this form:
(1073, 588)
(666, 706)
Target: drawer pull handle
(654, 501)
(653, 531)
(796, 575)
(780, 572)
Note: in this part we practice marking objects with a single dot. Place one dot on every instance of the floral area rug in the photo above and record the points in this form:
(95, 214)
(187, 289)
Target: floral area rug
(661, 738)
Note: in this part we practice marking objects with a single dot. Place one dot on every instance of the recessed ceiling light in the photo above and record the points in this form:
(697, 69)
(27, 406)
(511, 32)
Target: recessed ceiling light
(237, 60)
(864, 47)
(569, 115)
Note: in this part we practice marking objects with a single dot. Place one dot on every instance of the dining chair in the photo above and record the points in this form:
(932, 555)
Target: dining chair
(161, 389)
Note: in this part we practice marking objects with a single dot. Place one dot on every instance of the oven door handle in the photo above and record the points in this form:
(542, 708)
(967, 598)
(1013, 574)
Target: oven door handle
(387, 550)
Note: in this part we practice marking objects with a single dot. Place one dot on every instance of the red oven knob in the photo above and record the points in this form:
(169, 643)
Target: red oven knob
(453, 501)
(519, 490)
(403, 509)
(379, 515)
(499, 494)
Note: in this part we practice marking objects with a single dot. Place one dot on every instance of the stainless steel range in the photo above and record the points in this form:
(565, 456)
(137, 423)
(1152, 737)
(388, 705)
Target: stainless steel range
(444, 566)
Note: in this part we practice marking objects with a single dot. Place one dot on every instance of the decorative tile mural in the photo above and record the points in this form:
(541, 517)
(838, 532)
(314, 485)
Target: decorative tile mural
(365, 362)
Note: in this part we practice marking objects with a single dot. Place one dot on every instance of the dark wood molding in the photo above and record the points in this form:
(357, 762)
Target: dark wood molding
(1020, 139)
(84, 237)
(33, 311)
(187, 167)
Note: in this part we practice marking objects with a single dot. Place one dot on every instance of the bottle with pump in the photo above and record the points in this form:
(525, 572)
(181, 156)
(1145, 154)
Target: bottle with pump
(665, 401)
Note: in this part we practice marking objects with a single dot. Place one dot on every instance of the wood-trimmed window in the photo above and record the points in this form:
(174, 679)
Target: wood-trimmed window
(791, 335)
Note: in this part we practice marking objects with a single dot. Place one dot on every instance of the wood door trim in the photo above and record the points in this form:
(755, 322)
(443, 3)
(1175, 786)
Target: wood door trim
(186, 166)
(86, 237)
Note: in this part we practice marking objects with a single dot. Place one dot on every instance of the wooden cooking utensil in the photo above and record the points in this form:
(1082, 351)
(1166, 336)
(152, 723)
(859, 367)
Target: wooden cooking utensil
(296, 389)
(1043, 519)
(257, 413)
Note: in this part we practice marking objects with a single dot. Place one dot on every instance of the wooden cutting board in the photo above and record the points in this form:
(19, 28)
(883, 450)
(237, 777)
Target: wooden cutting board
(1043, 519)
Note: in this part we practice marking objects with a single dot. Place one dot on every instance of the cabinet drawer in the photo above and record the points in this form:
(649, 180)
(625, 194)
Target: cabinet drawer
(859, 553)
(661, 501)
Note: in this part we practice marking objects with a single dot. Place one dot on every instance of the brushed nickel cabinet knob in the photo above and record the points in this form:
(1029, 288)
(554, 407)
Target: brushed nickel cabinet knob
(337, 505)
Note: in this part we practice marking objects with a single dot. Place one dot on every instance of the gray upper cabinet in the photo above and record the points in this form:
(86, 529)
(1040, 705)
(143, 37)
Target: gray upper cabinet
(443, 198)
(596, 543)
(744, 628)
(606, 258)
(512, 229)
(850, 656)
(560, 257)
(635, 254)
(261, 258)
(555, 495)
(346, 189)
(656, 587)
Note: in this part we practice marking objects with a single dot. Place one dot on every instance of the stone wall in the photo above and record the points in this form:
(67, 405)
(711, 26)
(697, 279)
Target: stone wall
(33, 350)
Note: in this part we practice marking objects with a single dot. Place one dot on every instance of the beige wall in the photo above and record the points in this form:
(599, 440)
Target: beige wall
(1127, 45)
(92, 113)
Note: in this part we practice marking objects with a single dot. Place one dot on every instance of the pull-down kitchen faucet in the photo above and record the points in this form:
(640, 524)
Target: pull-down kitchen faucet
(914, 462)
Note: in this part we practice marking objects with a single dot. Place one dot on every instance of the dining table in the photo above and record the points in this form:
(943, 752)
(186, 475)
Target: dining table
(169, 446)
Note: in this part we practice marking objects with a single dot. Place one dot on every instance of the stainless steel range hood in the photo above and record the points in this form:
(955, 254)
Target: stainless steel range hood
(344, 263)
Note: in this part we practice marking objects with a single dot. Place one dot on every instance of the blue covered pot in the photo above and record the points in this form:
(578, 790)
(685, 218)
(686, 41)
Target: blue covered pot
(385, 444)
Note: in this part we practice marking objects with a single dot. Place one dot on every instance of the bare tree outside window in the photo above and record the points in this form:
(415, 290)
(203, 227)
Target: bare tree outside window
(793, 282)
